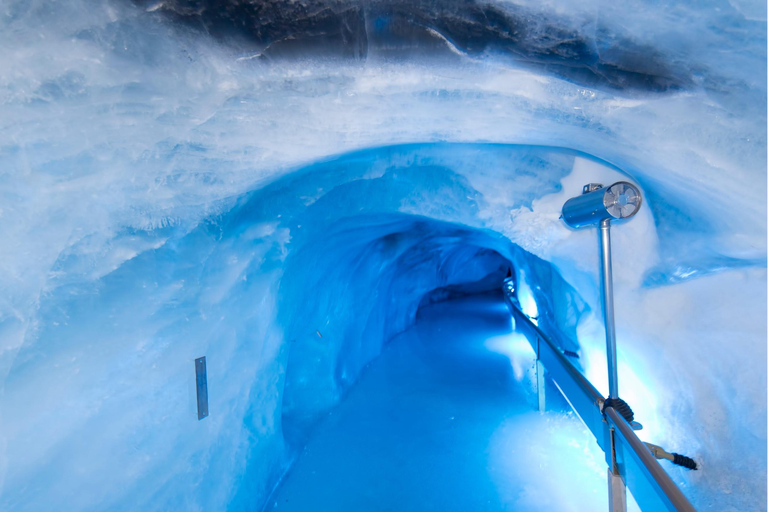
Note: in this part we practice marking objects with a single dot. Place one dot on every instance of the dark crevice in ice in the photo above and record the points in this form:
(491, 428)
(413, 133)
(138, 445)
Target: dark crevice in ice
(587, 54)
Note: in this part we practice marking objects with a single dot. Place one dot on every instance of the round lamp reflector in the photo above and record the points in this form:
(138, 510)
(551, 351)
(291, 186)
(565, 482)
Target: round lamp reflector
(622, 200)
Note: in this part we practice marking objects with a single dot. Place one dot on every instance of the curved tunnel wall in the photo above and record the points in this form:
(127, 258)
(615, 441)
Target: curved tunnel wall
(124, 132)
(359, 282)
(295, 287)
(120, 323)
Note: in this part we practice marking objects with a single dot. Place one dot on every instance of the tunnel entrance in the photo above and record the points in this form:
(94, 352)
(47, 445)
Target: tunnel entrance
(387, 270)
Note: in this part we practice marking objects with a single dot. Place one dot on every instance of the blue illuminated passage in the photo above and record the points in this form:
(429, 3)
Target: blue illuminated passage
(444, 420)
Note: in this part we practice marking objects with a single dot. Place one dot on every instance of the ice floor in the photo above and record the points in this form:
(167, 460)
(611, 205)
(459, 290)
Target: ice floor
(444, 420)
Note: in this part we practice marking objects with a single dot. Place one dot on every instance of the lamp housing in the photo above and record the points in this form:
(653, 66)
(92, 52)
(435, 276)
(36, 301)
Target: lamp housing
(621, 200)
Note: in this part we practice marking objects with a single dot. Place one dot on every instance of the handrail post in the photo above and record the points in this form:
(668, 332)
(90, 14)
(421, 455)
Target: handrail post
(541, 384)
(630, 462)
(617, 488)
(617, 493)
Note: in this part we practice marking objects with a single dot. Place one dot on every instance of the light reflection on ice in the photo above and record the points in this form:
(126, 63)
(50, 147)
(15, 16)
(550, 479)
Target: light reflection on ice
(121, 136)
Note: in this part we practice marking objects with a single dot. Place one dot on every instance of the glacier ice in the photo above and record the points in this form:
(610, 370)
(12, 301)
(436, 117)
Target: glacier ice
(442, 421)
(169, 192)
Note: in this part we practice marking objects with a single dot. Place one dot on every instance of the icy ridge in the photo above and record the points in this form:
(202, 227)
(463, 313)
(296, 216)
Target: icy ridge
(125, 140)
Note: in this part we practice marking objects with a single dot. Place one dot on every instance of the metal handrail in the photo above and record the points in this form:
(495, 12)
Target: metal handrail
(650, 485)
(637, 453)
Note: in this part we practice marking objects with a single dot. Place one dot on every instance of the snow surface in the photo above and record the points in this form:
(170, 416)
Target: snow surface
(162, 199)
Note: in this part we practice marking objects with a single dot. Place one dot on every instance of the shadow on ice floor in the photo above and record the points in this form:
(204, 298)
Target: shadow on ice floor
(444, 420)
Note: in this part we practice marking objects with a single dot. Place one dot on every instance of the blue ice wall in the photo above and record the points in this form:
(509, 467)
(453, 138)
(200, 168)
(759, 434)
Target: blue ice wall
(169, 191)
(287, 295)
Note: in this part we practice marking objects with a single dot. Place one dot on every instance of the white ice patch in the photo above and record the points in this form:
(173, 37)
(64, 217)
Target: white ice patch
(113, 123)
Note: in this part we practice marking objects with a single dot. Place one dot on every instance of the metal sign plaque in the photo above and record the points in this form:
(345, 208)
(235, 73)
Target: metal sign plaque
(202, 388)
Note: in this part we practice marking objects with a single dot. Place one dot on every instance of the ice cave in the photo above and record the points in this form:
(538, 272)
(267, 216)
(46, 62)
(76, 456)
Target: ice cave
(309, 255)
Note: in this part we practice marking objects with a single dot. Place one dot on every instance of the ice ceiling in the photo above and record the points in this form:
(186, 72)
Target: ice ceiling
(276, 186)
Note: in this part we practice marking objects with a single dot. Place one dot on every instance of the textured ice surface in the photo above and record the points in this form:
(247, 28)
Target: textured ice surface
(149, 215)
(445, 420)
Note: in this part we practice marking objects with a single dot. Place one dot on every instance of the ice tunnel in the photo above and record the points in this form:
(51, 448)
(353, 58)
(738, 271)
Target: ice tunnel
(325, 199)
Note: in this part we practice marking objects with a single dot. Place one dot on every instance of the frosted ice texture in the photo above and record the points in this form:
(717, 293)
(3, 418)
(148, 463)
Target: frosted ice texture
(149, 217)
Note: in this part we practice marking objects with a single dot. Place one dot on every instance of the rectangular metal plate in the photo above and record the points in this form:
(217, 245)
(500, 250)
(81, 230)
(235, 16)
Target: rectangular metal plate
(202, 388)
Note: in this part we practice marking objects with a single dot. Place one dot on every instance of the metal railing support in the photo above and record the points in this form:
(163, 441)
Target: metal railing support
(617, 493)
(541, 386)
(630, 462)
(617, 489)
